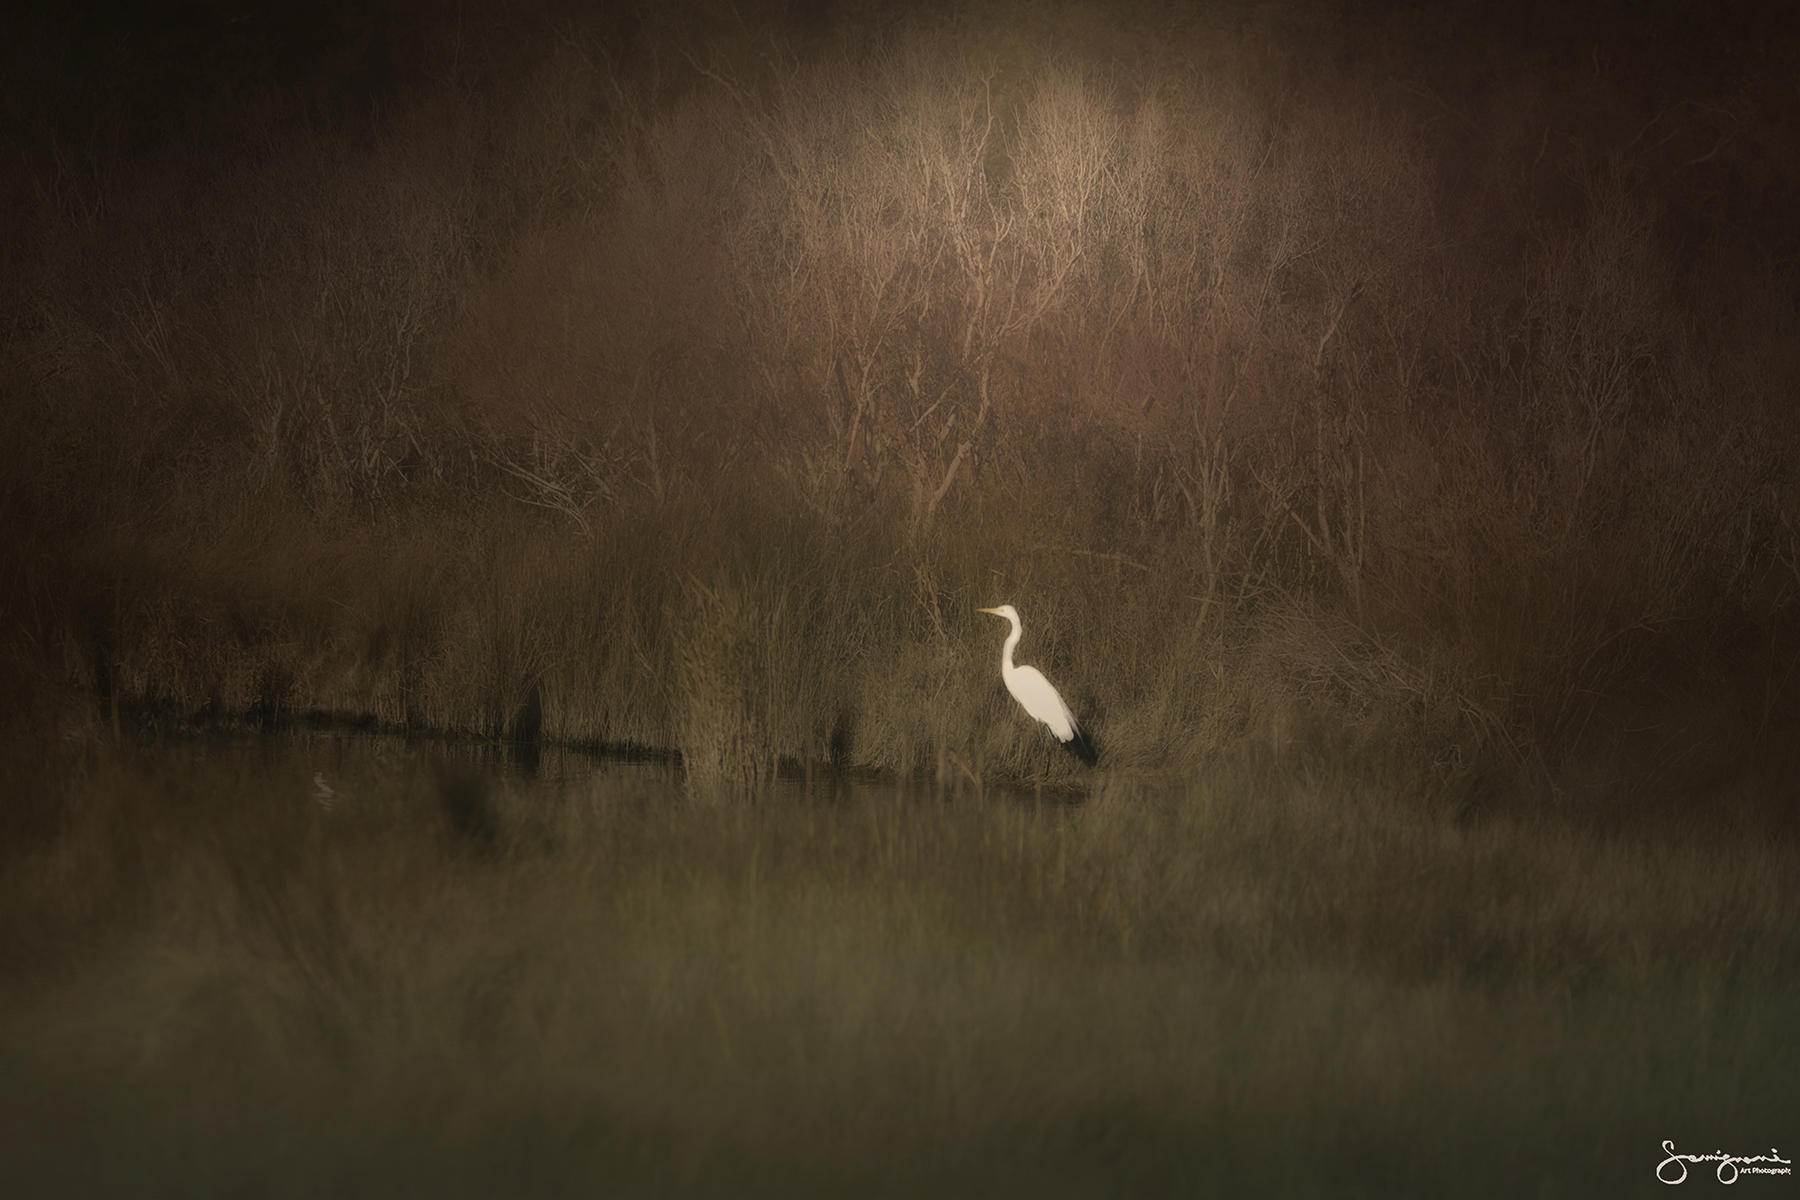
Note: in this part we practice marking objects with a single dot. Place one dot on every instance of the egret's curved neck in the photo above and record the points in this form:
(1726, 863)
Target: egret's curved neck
(1012, 639)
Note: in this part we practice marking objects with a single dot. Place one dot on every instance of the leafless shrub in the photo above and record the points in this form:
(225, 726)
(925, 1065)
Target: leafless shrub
(950, 312)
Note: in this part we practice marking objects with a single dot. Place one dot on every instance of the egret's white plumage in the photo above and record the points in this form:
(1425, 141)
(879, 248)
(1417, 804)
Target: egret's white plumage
(1036, 695)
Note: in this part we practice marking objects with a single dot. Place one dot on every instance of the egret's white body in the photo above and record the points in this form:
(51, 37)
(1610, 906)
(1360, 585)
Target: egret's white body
(1036, 695)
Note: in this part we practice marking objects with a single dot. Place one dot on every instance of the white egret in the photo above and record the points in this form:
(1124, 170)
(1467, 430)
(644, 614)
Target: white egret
(1037, 696)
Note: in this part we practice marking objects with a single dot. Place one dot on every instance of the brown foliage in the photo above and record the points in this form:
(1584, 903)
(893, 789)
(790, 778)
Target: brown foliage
(1215, 349)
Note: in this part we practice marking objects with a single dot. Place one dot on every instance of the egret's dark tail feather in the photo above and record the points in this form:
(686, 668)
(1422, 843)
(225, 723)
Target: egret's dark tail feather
(1082, 747)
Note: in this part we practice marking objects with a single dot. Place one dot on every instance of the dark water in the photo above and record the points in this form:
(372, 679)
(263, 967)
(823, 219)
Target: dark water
(327, 963)
(486, 789)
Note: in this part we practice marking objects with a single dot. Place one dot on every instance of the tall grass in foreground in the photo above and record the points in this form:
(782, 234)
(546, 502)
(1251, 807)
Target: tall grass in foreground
(1270, 982)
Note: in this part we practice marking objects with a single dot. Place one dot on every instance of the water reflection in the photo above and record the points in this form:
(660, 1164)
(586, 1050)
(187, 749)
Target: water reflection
(491, 795)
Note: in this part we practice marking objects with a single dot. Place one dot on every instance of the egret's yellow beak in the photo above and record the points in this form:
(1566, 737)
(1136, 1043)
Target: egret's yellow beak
(995, 611)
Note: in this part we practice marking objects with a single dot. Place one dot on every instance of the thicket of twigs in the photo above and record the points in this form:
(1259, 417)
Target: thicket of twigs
(688, 382)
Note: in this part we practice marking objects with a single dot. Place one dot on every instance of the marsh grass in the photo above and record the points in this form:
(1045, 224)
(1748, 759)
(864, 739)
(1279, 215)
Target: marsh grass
(561, 398)
(1395, 464)
(1396, 472)
(1266, 981)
